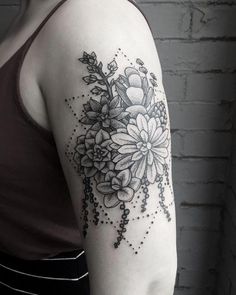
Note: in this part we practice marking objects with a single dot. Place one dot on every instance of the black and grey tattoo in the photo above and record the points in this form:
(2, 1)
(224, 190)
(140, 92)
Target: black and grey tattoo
(123, 151)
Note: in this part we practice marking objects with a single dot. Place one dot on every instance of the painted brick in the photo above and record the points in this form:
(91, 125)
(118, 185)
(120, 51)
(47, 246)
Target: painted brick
(214, 21)
(211, 87)
(231, 206)
(174, 86)
(192, 291)
(192, 116)
(201, 261)
(188, 239)
(199, 170)
(167, 20)
(208, 218)
(207, 144)
(201, 194)
(176, 55)
(191, 278)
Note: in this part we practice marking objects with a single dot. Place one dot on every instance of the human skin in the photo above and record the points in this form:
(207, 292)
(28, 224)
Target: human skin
(101, 80)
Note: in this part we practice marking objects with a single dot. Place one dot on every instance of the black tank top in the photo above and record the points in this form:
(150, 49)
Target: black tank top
(36, 213)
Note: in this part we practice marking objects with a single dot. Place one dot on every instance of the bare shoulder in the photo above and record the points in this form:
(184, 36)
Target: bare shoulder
(82, 23)
(106, 25)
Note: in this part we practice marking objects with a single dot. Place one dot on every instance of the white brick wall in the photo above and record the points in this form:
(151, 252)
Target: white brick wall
(196, 41)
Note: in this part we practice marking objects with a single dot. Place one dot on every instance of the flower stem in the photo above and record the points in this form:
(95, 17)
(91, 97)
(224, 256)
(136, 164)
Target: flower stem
(104, 78)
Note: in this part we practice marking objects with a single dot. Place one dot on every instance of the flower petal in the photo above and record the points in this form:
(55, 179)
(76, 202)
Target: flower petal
(109, 176)
(152, 126)
(141, 168)
(117, 124)
(105, 188)
(130, 71)
(159, 159)
(101, 136)
(142, 123)
(116, 180)
(129, 148)
(95, 106)
(134, 110)
(144, 136)
(137, 156)
(115, 112)
(135, 183)
(119, 157)
(92, 115)
(126, 194)
(122, 138)
(151, 173)
(135, 95)
(162, 152)
(124, 163)
(111, 201)
(125, 177)
(135, 80)
(86, 161)
(99, 165)
(90, 171)
(159, 168)
(80, 148)
(161, 138)
(156, 135)
(150, 158)
(133, 131)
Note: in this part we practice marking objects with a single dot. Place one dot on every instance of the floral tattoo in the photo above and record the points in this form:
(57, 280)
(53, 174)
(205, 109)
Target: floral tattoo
(123, 151)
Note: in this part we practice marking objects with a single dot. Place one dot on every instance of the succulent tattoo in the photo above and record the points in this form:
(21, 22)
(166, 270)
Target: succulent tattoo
(123, 151)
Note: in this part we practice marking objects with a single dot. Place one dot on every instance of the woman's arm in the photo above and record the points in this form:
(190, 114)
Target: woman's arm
(108, 111)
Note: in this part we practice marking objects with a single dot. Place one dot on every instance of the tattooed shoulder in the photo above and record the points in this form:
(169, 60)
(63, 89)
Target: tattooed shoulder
(120, 146)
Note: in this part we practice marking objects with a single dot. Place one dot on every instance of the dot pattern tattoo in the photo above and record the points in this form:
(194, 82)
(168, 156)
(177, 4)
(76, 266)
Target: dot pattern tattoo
(122, 151)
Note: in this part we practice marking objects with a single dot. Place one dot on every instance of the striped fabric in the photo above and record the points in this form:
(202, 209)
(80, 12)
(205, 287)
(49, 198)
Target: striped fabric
(63, 274)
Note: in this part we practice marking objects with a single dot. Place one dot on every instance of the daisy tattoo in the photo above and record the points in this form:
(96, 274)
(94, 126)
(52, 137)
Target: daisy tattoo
(123, 151)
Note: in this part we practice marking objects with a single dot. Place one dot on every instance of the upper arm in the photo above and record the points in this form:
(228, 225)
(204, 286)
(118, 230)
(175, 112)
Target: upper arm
(109, 116)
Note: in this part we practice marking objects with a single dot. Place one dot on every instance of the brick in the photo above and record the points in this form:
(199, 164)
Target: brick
(191, 278)
(207, 144)
(201, 260)
(201, 194)
(174, 86)
(189, 238)
(168, 20)
(205, 218)
(224, 284)
(229, 235)
(192, 291)
(211, 87)
(231, 206)
(199, 170)
(6, 15)
(177, 56)
(214, 21)
(189, 116)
